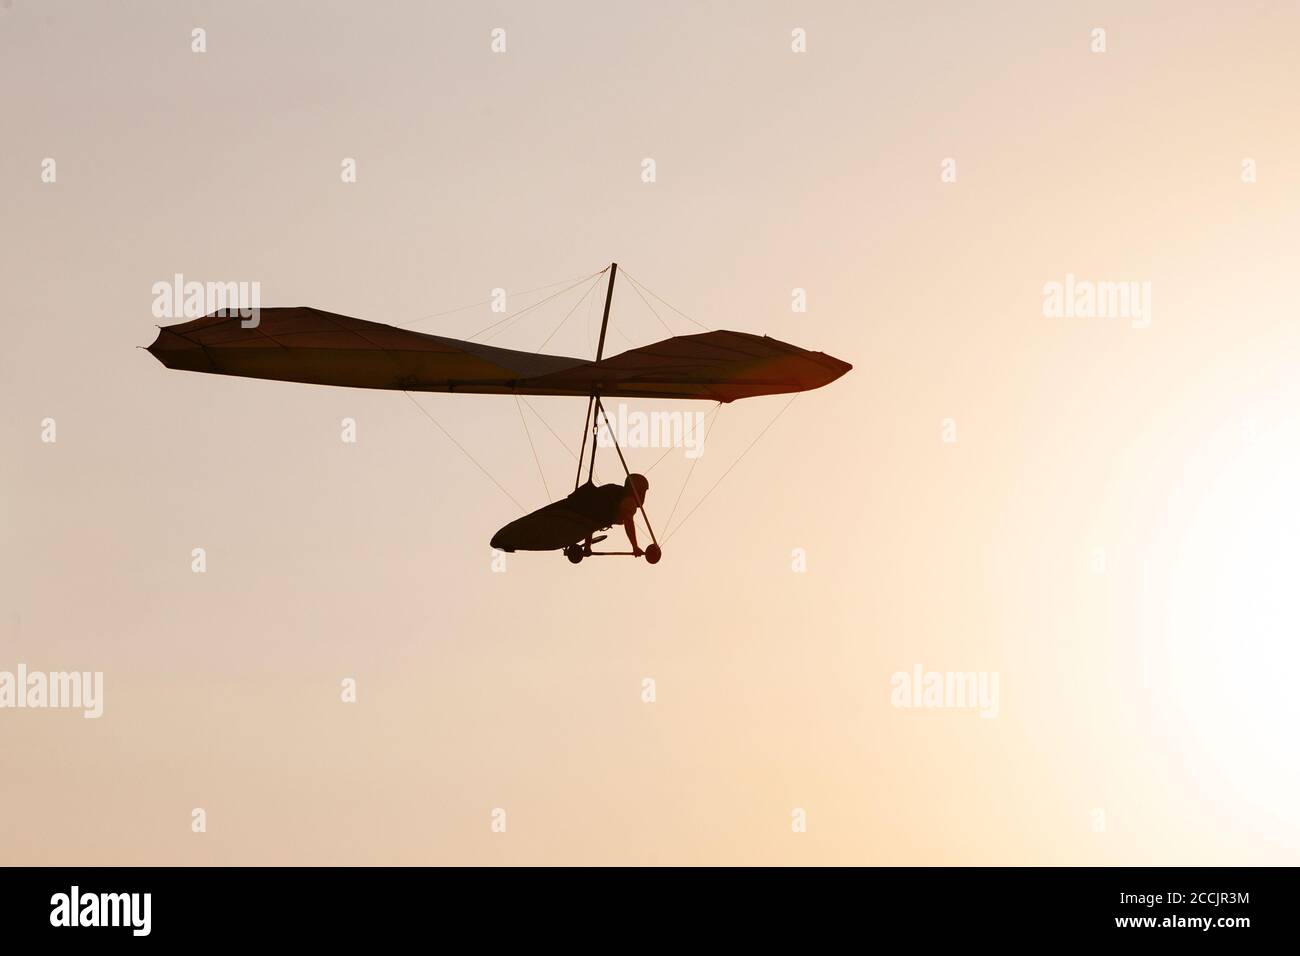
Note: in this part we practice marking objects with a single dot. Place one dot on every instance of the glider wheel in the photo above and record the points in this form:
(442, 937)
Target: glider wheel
(653, 554)
(574, 553)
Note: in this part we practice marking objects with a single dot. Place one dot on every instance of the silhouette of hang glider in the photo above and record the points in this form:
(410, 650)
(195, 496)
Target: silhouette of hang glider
(309, 345)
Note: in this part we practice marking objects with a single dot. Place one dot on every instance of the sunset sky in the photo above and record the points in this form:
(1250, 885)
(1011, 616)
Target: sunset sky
(1101, 511)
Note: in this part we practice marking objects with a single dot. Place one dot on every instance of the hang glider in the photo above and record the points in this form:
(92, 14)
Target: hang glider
(323, 348)
(309, 345)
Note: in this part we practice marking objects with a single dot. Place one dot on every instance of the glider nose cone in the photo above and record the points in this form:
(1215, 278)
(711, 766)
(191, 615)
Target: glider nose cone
(838, 368)
(501, 540)
(157, 350)
(154, 348)
(178, 352)
(831, 368)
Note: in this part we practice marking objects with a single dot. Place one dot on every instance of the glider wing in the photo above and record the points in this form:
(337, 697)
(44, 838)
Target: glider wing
(323, 348)
(719, 366)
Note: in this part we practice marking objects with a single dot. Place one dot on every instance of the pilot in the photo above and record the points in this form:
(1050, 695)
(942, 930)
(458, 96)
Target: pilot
(613, 504)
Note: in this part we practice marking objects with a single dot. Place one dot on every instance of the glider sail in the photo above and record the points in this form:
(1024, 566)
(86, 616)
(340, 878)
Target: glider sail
(324, 348)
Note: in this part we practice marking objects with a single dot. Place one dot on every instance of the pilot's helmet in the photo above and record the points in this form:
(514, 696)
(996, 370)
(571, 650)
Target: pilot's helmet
(638, 485)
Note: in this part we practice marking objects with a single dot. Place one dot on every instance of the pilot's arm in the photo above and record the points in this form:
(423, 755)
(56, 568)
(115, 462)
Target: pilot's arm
(629, 524)
(630, 527)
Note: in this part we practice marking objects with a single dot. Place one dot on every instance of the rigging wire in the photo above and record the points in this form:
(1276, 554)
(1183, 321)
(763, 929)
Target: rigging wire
(669, 534)
(617, 331)
(651, 307)
(429, 415)
(582, 449)
(585, 296)
(590, 304)
(529, 436)
(475, 305)
(690, 471)
(633, 279)
(538, 415)
(512, 317)
(707, 418)
(641, 289)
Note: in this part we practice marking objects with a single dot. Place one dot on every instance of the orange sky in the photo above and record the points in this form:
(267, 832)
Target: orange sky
(1110, 532)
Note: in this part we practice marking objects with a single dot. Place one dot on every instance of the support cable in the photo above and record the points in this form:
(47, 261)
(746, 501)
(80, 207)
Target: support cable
(429, 416)
(728, 471)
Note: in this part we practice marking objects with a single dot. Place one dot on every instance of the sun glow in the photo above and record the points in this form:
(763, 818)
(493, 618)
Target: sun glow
(1232, 639)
